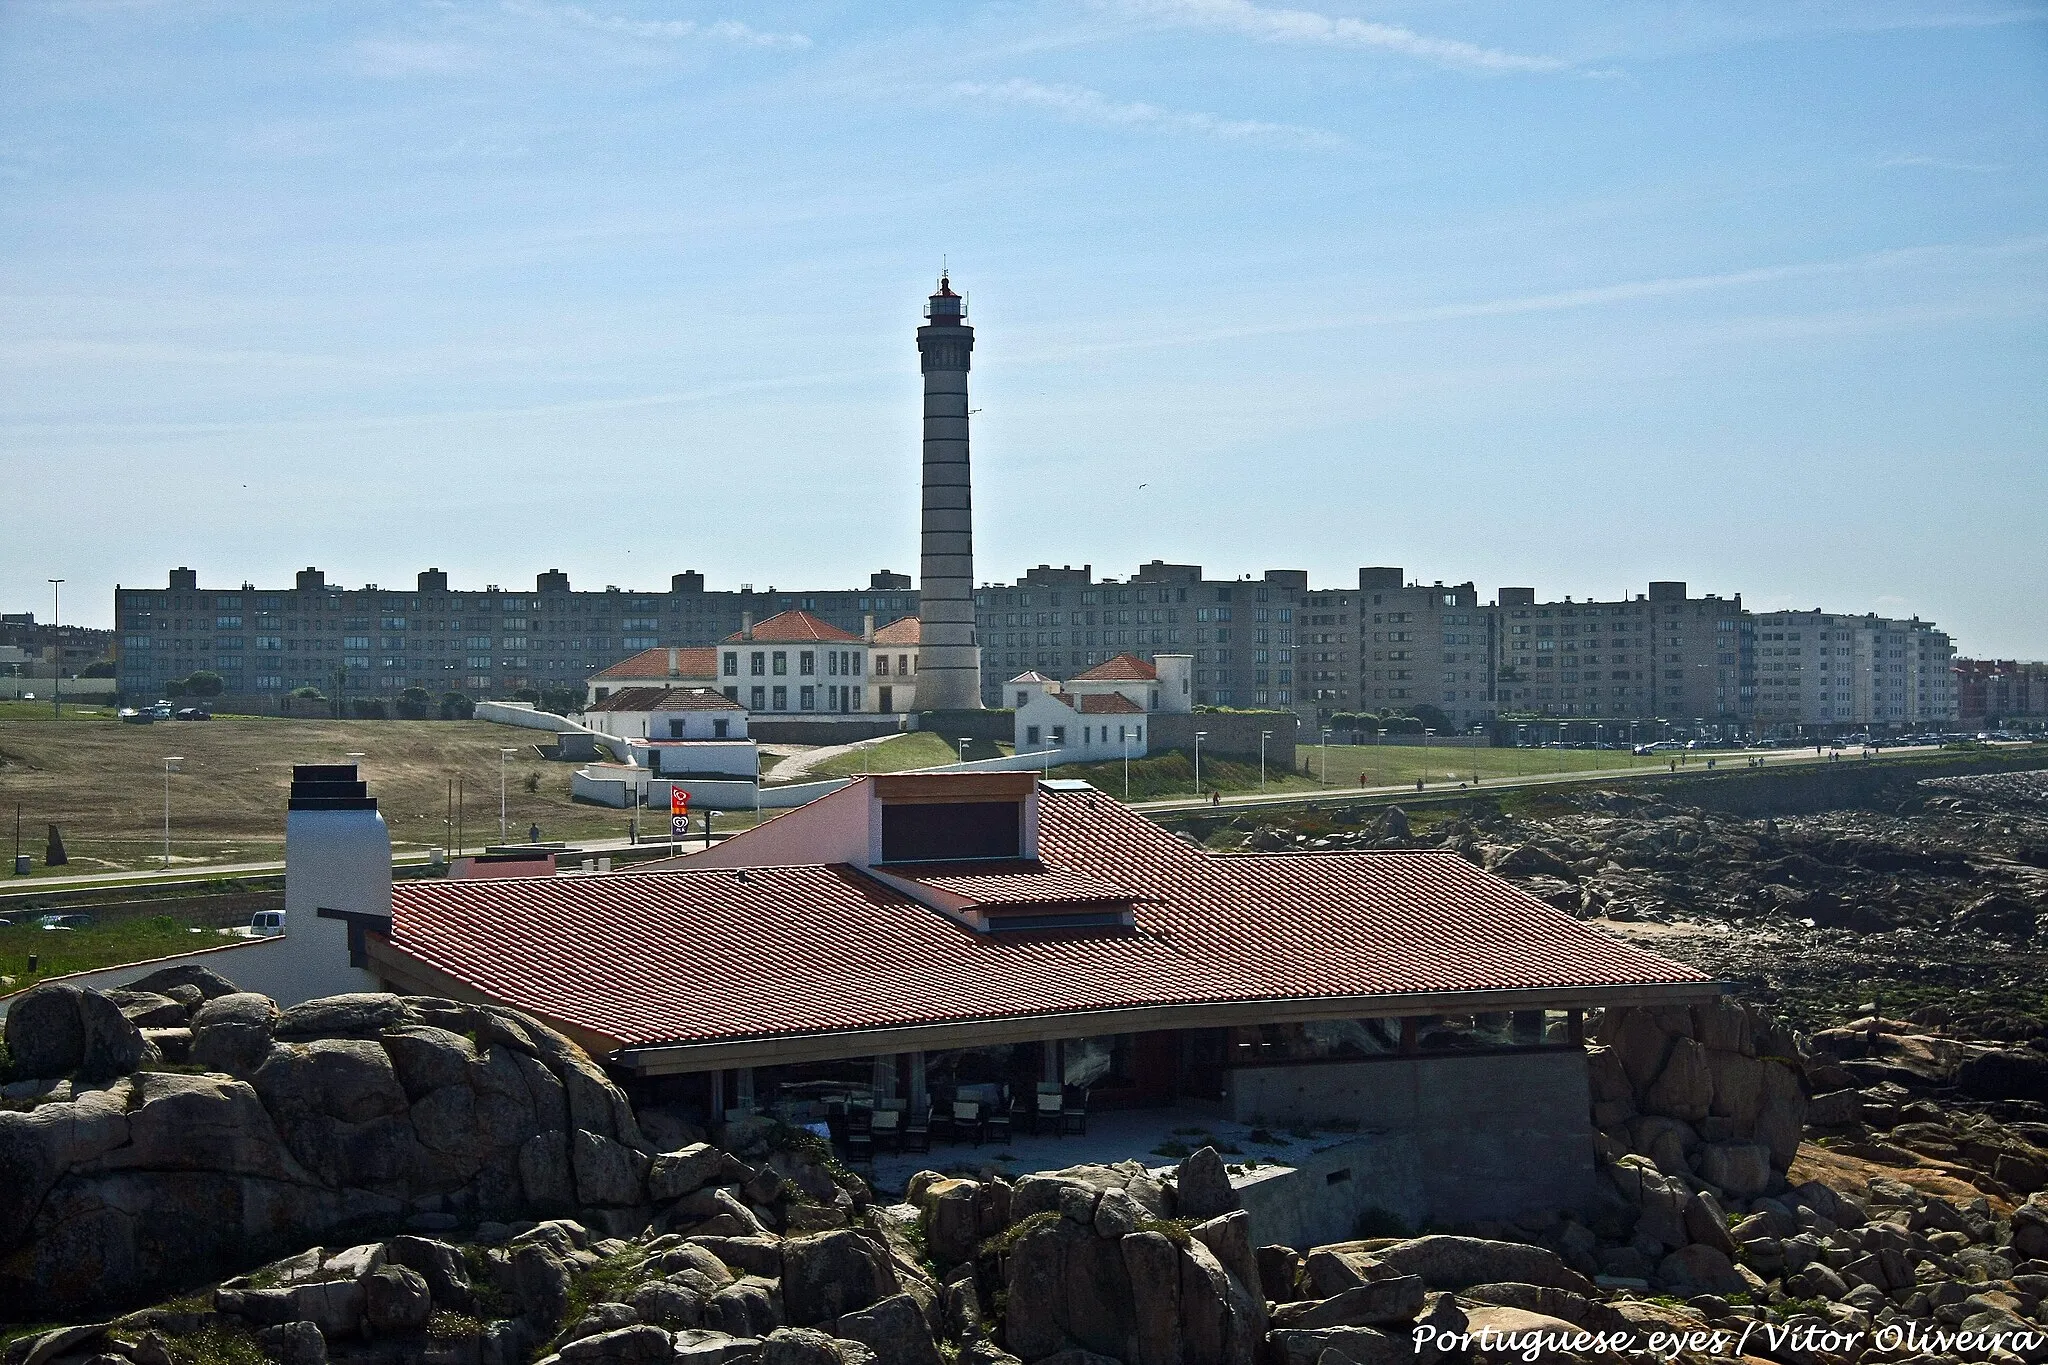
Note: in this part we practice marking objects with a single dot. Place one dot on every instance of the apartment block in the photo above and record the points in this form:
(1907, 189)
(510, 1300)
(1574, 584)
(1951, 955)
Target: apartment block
(1417, 644)
(376, 642)
(1821, 669)
(1658, 655)
(2001, 692)
(1063, 621)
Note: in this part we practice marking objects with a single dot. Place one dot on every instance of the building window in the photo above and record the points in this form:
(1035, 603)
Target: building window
(731, 664)
(757, 664)
(807, 664)
(782, 698)
(807, 697)
(759, 698)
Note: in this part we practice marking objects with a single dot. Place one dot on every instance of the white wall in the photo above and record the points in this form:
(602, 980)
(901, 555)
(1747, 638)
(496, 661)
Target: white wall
(734, 757)
(1088, 739)
(290, 969)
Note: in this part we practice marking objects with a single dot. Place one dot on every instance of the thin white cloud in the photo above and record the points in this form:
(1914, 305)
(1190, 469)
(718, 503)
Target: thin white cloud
(1308, 27)
(414, 57)
(725, 30)
(1940, 163)
(1568, 300)
(1078, 105)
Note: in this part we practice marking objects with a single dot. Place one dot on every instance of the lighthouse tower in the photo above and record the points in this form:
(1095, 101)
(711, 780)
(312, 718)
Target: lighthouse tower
(948, 660)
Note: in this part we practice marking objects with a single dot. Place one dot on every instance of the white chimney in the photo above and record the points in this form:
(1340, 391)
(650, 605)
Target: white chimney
(675, 666)
(337, 886)
(746, 625)
(867, 627)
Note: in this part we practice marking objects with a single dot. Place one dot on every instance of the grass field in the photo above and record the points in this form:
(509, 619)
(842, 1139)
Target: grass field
(102, 783)
(103, 945)
(1172, 775)
(900, 754)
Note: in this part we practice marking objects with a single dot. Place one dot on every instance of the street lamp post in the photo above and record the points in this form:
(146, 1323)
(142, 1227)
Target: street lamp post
(503, 754)
(1264, 735)
(56, 652)
(1326, 755)
(1200, 735)
(1125, 739)
(964, 741)
(169, 759)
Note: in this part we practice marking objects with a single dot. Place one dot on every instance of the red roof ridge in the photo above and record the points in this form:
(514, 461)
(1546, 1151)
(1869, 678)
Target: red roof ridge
(653, 663)
(793, 627)
(1122, 668)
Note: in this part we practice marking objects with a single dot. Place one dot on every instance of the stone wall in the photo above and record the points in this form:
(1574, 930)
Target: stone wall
(1230, 733)
(1496, 1135)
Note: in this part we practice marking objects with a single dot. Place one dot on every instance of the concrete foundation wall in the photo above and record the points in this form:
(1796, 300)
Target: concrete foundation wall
(1494, 1135)
(1320, 1200)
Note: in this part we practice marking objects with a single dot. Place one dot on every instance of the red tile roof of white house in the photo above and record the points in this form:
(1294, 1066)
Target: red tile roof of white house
(906, 630)
(794, 627)
(667, 699)
(691, 662)
(1106, 704)
(1123, 668)
(723, 954)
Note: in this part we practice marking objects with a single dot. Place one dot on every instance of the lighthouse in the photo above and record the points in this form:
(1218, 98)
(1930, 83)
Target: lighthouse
(948, 659)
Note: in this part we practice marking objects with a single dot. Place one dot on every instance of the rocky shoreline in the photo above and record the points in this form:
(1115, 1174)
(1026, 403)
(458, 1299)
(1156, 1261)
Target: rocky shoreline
(191, 1176)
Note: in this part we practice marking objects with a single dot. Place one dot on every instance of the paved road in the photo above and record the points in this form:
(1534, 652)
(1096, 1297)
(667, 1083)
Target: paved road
(1730, 758)
(1734, 759)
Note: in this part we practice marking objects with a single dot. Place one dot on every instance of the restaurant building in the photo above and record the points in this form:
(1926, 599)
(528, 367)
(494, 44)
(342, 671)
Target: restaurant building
(924, 936)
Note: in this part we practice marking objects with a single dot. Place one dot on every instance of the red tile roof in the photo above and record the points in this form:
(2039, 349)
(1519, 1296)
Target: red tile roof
(907, 630)
(667, 699)
(1102, 704)
(691, 662)
(1123, 668)
(1024, 882)
(794, 627)
(699, 955)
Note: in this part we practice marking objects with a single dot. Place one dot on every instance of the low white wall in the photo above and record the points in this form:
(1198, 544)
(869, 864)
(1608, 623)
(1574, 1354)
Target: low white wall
(289, 969)
(1015, 763)
(606, 786)
(712, 794)
(526, 715)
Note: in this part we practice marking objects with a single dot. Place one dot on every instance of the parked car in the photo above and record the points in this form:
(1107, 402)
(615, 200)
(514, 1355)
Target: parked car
(130, 716)
(262, 924)
(194, 713)
(1659, 747)
(66, 922)
(162, 710)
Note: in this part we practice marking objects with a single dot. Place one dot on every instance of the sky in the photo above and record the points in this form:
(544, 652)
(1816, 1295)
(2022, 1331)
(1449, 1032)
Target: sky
(1565, 295)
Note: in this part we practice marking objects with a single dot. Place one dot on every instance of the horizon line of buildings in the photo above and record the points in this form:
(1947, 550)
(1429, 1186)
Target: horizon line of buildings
(1267, 642)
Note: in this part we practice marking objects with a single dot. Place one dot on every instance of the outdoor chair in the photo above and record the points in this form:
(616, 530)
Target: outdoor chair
(887, 1130)
(917, 1132)
(860, 1135)
(1046, 1118)
(995, 1122)
(1074, 1113)
(967, 1121)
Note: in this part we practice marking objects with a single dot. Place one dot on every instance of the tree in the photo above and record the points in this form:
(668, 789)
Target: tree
(415, 703)
(174, 687)
(368, 708)
(99, 668)
(1401, 725)
(455, 706)
(527, 695)
(561, 700)
(307, 696)
(204, 683)
(1431, 716)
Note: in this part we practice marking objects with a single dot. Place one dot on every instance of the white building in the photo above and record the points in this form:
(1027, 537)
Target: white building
(668, 667)
(1822, 670)
(795, 663)
(1162, 685)
(1099, 715)
(668, 713)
